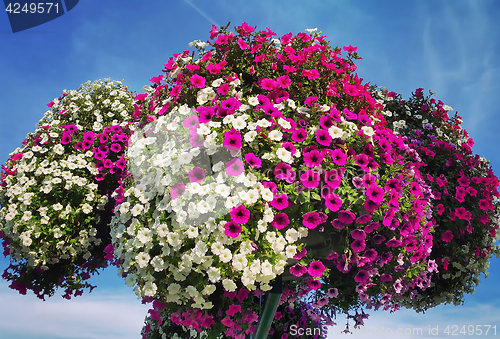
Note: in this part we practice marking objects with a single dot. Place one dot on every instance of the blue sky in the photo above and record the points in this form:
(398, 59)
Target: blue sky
(451, 47)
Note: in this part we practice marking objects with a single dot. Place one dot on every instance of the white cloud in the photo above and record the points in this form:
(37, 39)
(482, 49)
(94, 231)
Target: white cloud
(100, 315)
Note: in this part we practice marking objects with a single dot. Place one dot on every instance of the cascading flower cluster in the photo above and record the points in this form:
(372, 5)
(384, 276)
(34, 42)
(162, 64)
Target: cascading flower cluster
(464, 193)
(310, 155)
(55, 188)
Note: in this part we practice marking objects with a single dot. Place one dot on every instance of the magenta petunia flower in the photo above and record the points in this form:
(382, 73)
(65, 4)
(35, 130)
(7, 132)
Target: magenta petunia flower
(240, 214)
(375, 193)
(197, 81)
(197, 174)
(323, 137)
(301, 254)
(358, 234)
(333, 202)
(234, 167)
(233, 309)
(253, 160)
(299, 135)
(339, 157)
(268, 84)
(371, 227)
(362, 277)
(107, 163)
(66, 138)
(284, 171)
(192, 122)
(447, 236)
(363, 219)
(358, 246)
(232, 229)
(393, 243)
(90, 137)
(280, 201)
(116, 148)
(232, 139)
(346, 217)
(283, 81)
(311, 220)
(310, 179)
(280, 221)
(121, 163)
(314, 284)
(362, 160)
(177, 190)
(393, 184)
(338, 224)
(371, 206)
(386, 277)
(310, 101)
(298, 270)
(333, 179)
(316, 269)
(313, 158)
(369, 180)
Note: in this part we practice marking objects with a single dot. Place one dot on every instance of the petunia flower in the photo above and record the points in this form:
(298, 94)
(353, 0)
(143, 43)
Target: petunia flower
(232, 229)
(311, 220)
(316, 269)
(240, 214)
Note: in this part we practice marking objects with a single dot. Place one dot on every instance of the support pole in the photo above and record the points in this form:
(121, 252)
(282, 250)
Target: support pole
(270, 306)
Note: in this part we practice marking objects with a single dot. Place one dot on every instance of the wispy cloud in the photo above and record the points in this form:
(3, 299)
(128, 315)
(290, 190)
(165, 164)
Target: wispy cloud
(205, 15)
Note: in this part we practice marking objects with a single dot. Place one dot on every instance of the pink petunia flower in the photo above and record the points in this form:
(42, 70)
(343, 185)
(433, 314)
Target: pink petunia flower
(362, 277)
(240, 214)
(358, 246)
(197, 81)
(232, 139)
(299, 135)
(280, 221)
(346, 217)
(375, 193)
(280, 201)
(253, 160)
(323, 137)
(311, 220)
(310, 179)
(298, 270)
(316, 269)
(177, 190)
(233, 309)
(313, 158)
(447, 236)
(234, 167)
(232, 229)
(314, 284)
(339, 157)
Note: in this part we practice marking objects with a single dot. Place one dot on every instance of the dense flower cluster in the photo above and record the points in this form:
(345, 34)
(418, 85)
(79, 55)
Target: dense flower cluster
(464, 193)
(55, 189)
(284, 136)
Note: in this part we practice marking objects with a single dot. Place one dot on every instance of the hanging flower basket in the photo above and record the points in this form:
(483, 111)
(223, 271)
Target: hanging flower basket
(241, 152)
(55, 191)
